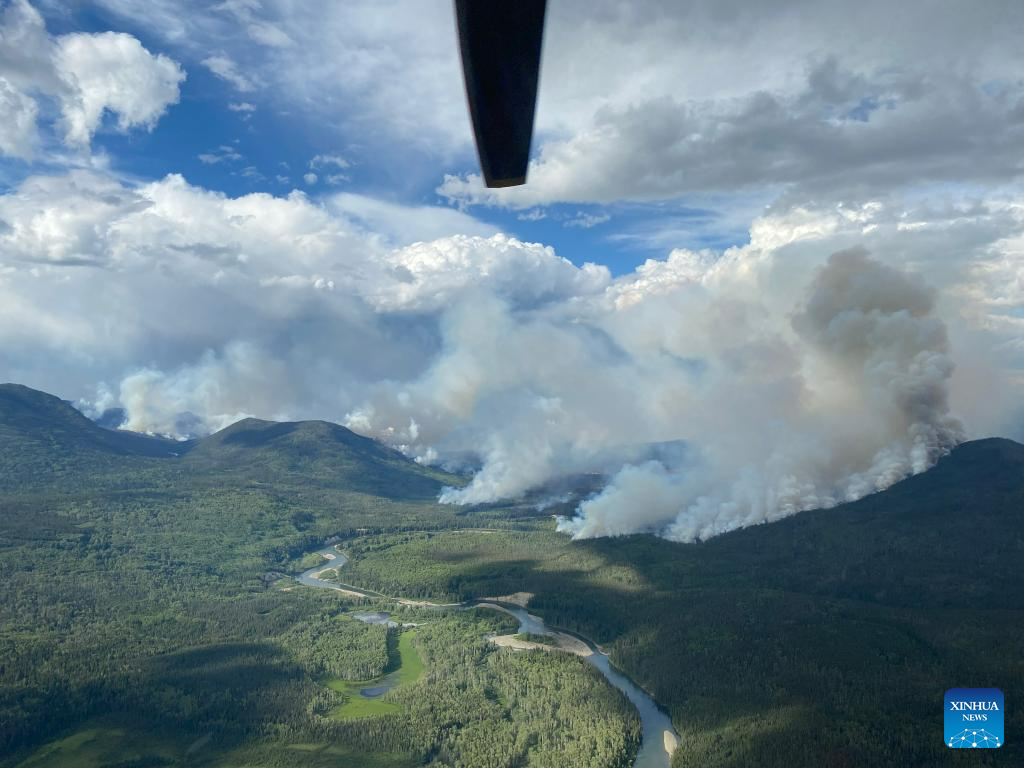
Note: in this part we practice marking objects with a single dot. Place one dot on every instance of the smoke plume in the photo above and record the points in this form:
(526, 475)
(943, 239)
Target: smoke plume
(867, 404)
(714, 389)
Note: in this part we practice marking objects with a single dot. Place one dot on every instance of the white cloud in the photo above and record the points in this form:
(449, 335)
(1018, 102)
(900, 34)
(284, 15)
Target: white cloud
(342, 67)
(18, 126)
(310, 178)
(250, 266)
(652, 100)
(26, 50)
(399, 225)
(241, 106)
(62, 220)
(841, 133)
(113, 71)
(252, 172)
(241, 9)
(268, 34)
(87, 75)
(534, 214)
(587, 220)
(325, 161)
(431, 275)
(246, 11)
(223, 153)
(226, 69)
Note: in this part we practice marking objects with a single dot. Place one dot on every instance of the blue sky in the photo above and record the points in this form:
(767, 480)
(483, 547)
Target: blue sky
(263, 145)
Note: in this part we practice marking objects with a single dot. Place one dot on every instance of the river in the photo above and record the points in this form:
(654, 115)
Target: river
(659, 736)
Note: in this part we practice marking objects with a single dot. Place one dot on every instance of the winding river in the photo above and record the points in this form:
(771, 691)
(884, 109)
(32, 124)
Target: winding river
(659, 737)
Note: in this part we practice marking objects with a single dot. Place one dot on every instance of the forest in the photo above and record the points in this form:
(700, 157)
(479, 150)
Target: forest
(786, 644)
(148, 615)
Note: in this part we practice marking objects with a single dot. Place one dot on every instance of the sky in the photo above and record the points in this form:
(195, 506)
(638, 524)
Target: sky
(768, 258)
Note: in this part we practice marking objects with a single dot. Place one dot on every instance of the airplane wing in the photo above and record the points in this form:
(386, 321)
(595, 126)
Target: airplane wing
(501, 42)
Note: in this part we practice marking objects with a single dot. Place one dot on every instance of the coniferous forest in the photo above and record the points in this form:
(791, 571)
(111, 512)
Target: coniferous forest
(149, 615)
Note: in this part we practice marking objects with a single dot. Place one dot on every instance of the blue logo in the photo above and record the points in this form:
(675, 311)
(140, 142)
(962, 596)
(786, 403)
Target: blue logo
(974, 718)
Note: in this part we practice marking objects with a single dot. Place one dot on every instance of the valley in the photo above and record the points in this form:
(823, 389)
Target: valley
(659, 740)
(150, 613)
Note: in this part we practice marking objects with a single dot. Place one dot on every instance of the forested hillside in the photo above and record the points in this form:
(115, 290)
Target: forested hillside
(791, 644)
(146, 615)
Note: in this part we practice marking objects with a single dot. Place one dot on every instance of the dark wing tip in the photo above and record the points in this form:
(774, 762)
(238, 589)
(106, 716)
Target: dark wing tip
(499, 183)
(501, 45)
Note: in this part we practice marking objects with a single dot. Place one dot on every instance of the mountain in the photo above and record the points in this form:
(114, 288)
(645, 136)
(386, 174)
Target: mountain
(827, 638)
(951, 536)
(29, 417)
(315, 452)
(43, 437)
(138, 572)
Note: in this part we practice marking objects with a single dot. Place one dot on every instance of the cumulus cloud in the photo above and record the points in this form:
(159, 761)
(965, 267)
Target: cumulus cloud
(63, 220)
(112, 71)
(429, 275)
(176, 275)
(86, 75)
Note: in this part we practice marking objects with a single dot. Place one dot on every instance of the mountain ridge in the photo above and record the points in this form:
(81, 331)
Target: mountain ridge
(51, 436)
(33, 412)
(53, 423)
(930, 525)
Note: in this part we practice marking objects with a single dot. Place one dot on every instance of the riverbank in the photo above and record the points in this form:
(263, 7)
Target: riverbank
(660, 738)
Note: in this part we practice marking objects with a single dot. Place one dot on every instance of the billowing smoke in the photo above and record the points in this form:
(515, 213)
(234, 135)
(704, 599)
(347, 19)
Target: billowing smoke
(169, 405)
(870, 407)
(713, 389)
(794, 388)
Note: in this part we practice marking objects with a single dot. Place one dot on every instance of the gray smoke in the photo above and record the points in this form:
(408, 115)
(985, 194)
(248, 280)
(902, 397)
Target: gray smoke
(867, 405)
(789, 379)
